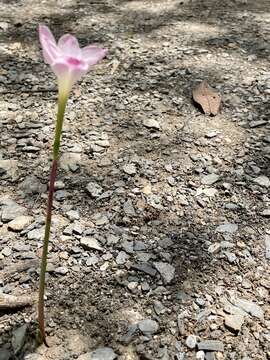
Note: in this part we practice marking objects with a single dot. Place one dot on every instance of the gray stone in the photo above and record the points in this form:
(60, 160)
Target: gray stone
(230, 256)
(36, 234)
(11, 210)
(20, 223)
(211, 345)
(267, 246)
(227, 228)
(210, 355)
(121, 258)
(266, 213)
(6, 251)
(262, 181)
(139, 245)
(129, 209)
(101, 219)
(128, 246)
(90, 243)
(61, 270)
(92, 260)
(33, 357)
(130, 169)
(257, 123)
(145, 267)
(94, 189)
(73, 215)
(148, 327)
(159, 307)
(166, 271)
(132, 331)
(18, 338)
(191, 341)
(180, 356)
(151, 123)
(5, 354)
(249, 307)
(9, 169)
(112, 239)
(31, 185)
(200, 355)
(181, 325)
(103, 143)
(209, 179)
(103, 353)
(214, 248)
(234, 322)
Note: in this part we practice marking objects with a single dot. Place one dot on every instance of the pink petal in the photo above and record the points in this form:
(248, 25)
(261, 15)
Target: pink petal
(69, 46)
(48, 43)
(50, 52)
(45, 34)
(93, 54)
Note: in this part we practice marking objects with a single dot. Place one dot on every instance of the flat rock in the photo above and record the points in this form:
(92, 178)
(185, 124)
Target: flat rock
(145, 267)
(11, 210)
(20, 223)
(36, 234)
(130, 169)
(166, 271)
(148, 327)
(210, 179)
(5, 354)
(249, 307)
(227, 228)
(9, 169)
(267, 246)
(92, 260)
(262, 181)
(211, 345)
(18, 338)
(128, 208)
(94, 189)
(151, 123)
(103, 353)
(234, 322)
(121, 258)
(90, 243)
(73, 215)
(31, 185)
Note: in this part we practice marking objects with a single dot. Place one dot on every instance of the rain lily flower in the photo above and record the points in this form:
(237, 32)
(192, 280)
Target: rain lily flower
(69, 63)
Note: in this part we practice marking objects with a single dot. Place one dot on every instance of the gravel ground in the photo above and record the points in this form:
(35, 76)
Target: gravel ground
(160, 244)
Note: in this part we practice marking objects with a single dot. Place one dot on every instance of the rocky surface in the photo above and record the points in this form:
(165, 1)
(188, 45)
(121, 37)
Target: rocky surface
(160, 237)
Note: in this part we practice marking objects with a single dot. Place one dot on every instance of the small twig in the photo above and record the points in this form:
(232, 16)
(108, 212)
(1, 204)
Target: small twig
(13, 302)
(27, 91)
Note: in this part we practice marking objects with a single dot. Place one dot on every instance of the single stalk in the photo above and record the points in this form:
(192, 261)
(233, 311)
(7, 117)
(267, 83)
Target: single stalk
(62, 101)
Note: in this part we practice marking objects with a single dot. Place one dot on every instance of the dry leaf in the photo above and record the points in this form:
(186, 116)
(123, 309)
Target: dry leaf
(208, 98)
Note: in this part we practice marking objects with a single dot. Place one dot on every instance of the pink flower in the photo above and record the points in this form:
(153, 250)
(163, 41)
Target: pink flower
(68, 61)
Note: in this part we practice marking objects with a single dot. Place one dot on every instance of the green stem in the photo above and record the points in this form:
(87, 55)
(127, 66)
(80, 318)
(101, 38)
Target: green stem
(62, 101)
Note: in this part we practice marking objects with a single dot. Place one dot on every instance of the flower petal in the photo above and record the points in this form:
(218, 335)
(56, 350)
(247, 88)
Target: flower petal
(93, 54)
(45, 34)
(69, 46)
(48, 43)
(50, 52)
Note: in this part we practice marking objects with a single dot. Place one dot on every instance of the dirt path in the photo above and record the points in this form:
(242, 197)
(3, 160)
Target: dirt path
(161, 237)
